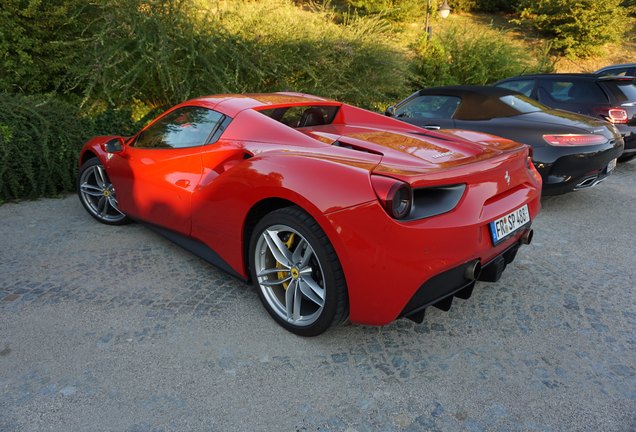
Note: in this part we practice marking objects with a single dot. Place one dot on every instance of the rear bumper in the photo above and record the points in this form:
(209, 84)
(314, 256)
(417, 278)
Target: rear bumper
(440, 290)
(567, 169)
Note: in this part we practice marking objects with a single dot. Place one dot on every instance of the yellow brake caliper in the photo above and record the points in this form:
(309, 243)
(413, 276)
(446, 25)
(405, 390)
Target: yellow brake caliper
(281, 274)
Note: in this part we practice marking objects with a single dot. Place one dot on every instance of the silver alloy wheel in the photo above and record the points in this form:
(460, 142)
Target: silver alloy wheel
(290, 275)
(98, 194)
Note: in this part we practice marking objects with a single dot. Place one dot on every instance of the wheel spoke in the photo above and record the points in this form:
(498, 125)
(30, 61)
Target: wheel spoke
(113, 203)
(278, 248)
(91, 190)
(100, 176)
(266, 272)
(313, 291)
(309, 252)
(101, 204)
(297, 255)
(297, 302)
(290, 299)
(276, 282)
(104, 211)
(309, 292)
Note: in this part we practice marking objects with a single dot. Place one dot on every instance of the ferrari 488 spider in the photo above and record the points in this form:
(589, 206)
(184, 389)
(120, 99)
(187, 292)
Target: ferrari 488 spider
(332, 211)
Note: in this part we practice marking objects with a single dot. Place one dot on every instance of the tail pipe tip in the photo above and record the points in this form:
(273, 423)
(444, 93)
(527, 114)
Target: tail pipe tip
(527, 236)
(473, 270)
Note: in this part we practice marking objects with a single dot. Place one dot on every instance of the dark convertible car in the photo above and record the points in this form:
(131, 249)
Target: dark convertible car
(611, 98)
(570, 151)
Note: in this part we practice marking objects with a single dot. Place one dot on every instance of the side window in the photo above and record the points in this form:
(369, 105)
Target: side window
(304, 115)
(623, 91)
(573, 91)
(429, 106)
(522, 86)
(184, 127)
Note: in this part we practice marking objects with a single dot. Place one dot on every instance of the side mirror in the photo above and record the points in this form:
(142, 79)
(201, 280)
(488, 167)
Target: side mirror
(390, 111)
(115, 145)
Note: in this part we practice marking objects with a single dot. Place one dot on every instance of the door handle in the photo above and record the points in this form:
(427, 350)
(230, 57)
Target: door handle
(432, 127)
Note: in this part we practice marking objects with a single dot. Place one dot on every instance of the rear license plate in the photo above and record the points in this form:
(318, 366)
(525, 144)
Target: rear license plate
(506, 226)
(611, 166)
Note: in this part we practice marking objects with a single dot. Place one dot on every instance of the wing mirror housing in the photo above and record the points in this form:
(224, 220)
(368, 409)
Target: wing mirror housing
(390, 111)
(115, 145)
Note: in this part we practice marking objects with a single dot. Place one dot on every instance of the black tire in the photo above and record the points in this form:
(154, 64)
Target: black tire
(97, 194)
(322, 270)
(626, 158)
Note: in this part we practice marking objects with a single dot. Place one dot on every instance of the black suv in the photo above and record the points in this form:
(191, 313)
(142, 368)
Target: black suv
(612, 98)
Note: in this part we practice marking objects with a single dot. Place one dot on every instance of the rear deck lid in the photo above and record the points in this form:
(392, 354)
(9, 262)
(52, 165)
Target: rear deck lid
(576, 121)
(423, 151)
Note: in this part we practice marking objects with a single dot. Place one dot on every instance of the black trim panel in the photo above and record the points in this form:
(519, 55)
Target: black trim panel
(433, 201)
(196, 247)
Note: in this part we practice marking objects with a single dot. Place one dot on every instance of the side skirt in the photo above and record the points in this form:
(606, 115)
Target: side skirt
(196, 247)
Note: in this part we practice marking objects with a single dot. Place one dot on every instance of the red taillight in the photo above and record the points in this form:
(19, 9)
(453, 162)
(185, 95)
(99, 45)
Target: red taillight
(395, 196)
(574, 139)
(617, 116)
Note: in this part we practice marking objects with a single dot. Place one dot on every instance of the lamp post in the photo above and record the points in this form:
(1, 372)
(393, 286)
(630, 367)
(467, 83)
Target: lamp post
(444, 11)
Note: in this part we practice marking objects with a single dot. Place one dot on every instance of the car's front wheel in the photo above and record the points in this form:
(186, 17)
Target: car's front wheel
(297, 273)
(97, 194)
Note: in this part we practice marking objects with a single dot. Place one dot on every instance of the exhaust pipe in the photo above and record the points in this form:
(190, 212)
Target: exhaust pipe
(473, 270)
(527, 236)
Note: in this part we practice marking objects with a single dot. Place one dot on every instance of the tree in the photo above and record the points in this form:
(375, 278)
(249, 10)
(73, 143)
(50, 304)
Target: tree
(577, 27)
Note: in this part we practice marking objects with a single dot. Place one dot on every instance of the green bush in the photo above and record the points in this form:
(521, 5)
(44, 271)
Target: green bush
(506, 6)
(160, 52)
(397, 10)
(462, 5)
(463, 55)
(40, 41)
(630, 5)
(40, 140)
(576, 27)
(39, 146)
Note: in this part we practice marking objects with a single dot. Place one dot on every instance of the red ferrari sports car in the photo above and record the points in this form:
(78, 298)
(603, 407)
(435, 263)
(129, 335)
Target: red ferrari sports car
(332, 211)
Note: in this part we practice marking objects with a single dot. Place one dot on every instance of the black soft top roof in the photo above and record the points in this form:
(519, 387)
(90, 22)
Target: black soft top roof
(480, 102)
(465, 90)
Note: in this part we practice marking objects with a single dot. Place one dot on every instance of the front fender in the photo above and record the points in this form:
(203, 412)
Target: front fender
(96, 147)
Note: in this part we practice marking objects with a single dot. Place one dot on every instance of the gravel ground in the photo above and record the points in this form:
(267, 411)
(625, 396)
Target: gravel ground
(115, 328)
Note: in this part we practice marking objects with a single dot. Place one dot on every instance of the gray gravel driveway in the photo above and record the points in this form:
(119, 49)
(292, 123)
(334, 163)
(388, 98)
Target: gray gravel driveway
(116, 329)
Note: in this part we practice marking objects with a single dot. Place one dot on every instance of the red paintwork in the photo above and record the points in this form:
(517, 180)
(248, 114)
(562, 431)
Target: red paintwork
(207, 192)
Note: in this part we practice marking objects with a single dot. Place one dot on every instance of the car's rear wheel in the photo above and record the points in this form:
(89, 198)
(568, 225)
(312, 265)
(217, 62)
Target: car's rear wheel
(97, 194)
(296, 271)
